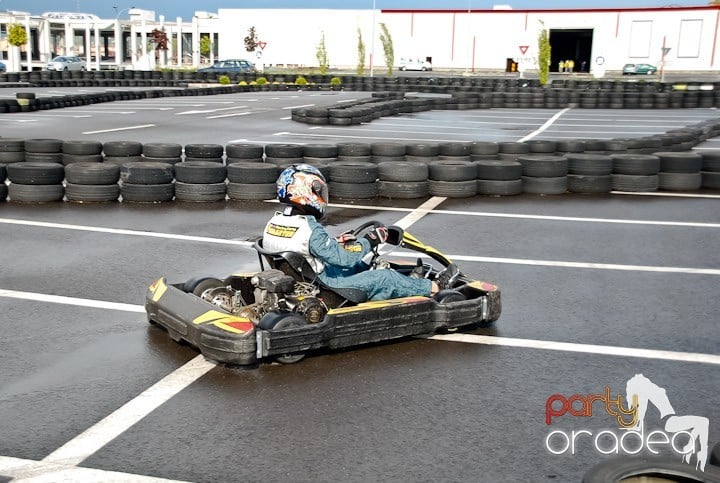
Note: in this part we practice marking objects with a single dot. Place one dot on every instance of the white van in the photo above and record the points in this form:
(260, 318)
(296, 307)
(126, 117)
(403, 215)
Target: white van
(414, 64)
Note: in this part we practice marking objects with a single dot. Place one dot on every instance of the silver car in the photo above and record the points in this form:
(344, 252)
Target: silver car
(66, 62)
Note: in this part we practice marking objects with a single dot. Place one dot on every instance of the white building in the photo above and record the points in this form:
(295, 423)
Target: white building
(470, 40)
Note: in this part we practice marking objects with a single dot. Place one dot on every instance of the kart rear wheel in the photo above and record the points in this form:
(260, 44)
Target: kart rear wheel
(280, 321)
(213, 291)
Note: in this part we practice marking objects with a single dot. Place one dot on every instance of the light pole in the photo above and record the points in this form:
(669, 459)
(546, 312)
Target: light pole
(372, 40)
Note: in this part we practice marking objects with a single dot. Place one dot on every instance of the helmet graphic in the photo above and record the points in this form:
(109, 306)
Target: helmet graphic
(303, 187)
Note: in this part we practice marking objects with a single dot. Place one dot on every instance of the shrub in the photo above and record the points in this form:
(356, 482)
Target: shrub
(242, 83)
(335, 81)
(261, 81)
(223, 79)
(17, 35)
(301, 81)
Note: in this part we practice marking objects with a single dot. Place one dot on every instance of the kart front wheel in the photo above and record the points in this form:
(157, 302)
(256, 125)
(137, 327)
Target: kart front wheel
(280, 321)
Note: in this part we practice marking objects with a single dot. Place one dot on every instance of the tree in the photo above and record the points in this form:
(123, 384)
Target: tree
(543, 58)
(388, 50)
(160, 38)
(361, 53)
(17, 35)
(322, 55)
(251, 41)
(205, 45)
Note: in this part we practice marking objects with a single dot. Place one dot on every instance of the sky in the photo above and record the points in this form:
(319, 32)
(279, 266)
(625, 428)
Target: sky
(186, 8)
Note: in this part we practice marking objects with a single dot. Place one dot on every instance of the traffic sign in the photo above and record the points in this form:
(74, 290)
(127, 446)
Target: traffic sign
(261, 44)
(524, 48)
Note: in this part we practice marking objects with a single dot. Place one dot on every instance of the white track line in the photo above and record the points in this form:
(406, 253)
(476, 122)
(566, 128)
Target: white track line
(547, 124)
(23, 470)
(94, 438)
(59, 299)
(582, 348)
(126, 128)
(667, 195)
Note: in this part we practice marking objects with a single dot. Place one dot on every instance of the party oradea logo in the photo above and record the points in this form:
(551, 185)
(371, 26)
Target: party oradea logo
(684, 435)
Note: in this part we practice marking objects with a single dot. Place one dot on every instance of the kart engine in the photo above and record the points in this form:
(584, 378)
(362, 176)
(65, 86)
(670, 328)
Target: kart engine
(273, 290)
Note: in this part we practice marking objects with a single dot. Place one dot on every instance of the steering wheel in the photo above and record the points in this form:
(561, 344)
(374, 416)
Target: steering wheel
(365, 227)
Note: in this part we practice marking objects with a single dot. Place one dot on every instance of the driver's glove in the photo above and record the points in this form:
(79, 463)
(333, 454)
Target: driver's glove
(377, 236)
(347, 237)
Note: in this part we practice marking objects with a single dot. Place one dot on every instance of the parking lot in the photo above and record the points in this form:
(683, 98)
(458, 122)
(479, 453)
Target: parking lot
(596, 289)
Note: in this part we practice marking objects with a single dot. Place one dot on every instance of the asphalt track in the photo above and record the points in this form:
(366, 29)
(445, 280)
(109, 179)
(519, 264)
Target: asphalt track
(595, 289)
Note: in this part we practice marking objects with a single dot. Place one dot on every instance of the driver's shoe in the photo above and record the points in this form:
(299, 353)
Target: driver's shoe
(447, 277)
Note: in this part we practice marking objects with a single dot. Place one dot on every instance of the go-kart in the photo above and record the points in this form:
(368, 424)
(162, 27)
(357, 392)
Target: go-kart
(284, 310)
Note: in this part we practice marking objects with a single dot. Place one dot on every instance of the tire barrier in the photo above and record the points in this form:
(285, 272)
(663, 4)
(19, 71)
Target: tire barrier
(93, 172)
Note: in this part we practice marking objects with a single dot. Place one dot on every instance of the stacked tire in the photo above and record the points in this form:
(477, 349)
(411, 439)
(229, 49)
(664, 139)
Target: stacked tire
(168, 153)
(284, 155)
(680, 171)
(121, 152)
(92, 182)
(422, 152)
(200, 181)
(403, 180)
(82, 152)
(321, 156)
(711, 169)
(205, 152)
(244, 153)
(147, 182)
(44, 150)
(353, 180)
(387, 151)
(3, 186)
(36, 182)
(589, 173)
(12, 150)
(635, 172)
(252, 180)
(544, 174)
(452, 179)
(354, 152)
(498, 177)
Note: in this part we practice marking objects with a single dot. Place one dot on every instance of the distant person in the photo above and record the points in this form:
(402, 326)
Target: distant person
(561, 66)
(570, 65)
(583, 64)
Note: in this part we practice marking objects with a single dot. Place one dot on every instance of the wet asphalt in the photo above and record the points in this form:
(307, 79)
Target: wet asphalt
(413, 410)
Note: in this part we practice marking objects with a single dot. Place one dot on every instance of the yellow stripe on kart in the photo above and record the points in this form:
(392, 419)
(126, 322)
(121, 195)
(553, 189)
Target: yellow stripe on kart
(413, 242)
(378, 304)
(158, 288)
(230, 323)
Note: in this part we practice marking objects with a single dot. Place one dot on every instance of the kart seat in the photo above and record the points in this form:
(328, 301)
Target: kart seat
(301, 270)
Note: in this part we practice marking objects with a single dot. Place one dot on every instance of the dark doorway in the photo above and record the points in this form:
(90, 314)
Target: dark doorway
(571, 44)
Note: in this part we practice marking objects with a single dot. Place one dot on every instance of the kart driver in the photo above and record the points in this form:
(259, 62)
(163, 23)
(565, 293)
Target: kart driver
(337, 261)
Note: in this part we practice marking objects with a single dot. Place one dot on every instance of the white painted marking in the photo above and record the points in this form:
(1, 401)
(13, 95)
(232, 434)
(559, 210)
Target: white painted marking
(94, 438)
(419, 212)
(280, 133)
(346, 100)
(64, 115)
(667, 195)
(582, 348)
(59, 299)
(346, 136)
(207, 111)
(127, 128)
(285, 118)
(547, 124)
(234, 114)
(92, 111)
(41, 472)
(6, 119)
(298, 107)
(119, 231)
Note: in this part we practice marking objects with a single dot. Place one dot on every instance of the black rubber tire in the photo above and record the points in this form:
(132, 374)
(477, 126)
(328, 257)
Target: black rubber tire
(422, 149)
(12, 157)
(203, 285)
(555, 185)
(570, 146)
(636, 164)
(350, 190)
(122, 148)
(282, 162)
(484, 148)
(147, 173)
(387, 149)
(204, 151)
(279, 321)
(80, 148)
(581, 183)
(444, 170)
(498, 170)
(12, 144)
(252, 173)
(284, 151)
(353, 172)
(92, 193)
(589, 164)
(711, 160)
(493, 187)
(191, 159)
(454, 149)
(514, 148)
(3, 173)
(44, 157)
(320, 151)
(3, 192)
(68, 159)
(152, 159)
(229, 161)
(403, 189)
(679, 181)
(354, 149)
(710, 180)
(200, 192)
(453, 189)
(120, 160)
(540, 166)
(402, 171)
(162, 150)
(662, 468)
(252, 191)
(200, 172)
(92, 173)
(244, 151)
(542, 146)
(147, 193)
(36, 173)
(190, 285)
(680, 161)
(635, 183)
(448, 296)
(35, 193)
(42, 145)
(715, 455)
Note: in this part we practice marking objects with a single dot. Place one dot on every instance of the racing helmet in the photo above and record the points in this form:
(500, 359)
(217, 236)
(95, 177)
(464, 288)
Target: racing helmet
(303, 187)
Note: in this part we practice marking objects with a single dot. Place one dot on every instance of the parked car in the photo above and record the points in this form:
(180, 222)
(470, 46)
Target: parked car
(629, 69)
(414, 64)
(230, 66)
(66, 62)
(3, 67)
